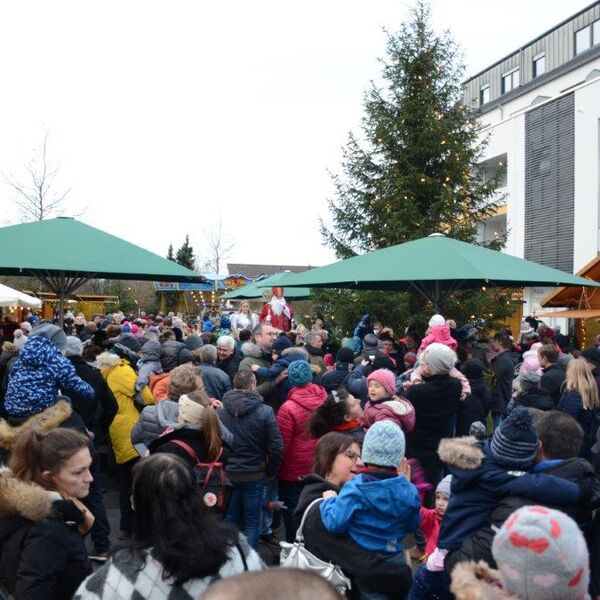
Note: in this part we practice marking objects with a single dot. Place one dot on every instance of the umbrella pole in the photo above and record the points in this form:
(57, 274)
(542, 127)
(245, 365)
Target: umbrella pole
(61, 300)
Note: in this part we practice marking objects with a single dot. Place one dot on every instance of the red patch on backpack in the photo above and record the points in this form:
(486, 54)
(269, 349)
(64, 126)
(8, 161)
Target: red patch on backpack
(537, 545)
(575, 581)
(511, 522)
(555, 529)
(540, 510)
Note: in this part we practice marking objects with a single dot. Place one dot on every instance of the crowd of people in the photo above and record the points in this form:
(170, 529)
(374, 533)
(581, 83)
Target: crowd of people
(429, 465)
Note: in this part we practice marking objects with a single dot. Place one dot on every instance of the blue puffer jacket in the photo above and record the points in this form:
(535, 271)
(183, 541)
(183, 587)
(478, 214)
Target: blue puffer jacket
(37, 375)
(376, 509)
(479, 483)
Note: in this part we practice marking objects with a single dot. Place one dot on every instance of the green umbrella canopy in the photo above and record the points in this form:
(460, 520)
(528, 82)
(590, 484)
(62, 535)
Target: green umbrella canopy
(431, 266)
(256, 289)
(63, 253)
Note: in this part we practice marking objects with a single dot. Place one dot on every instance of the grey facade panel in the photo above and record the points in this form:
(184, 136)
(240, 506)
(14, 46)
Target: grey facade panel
(558, 44)
(550, 183)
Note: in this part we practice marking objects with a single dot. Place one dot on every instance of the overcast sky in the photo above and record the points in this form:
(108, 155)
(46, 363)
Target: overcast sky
(164, 116)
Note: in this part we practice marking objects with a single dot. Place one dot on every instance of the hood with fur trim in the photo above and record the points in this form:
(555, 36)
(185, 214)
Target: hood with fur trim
(476, 581)
(49, 418)
(108, 360)
(23, 499)
(250, 349)
(463, 452)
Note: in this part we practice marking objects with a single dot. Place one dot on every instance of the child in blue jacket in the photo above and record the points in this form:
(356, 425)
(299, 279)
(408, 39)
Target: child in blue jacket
(379, 507)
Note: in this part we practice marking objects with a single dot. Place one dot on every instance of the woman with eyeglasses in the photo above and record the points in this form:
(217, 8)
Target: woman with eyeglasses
(337, 460)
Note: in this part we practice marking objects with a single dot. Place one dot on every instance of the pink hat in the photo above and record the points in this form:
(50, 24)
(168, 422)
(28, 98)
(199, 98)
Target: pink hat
(386, 378)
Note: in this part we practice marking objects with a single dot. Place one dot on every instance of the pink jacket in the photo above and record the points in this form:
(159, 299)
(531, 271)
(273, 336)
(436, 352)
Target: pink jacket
(298, 445)
(398, 410)
(417, 377)
(439, 334)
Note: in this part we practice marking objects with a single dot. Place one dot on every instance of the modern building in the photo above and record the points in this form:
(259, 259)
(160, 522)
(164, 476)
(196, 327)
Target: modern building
(539, 108)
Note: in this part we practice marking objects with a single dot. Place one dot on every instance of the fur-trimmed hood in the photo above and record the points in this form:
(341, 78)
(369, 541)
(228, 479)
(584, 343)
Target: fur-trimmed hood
(476, 581)
(50, 418)
(108, 360)
(252, 350)
(462, 452)
(28, 500)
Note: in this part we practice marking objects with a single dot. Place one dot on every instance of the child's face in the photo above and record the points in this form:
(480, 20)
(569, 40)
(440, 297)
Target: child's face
(441, 503)
(376, 390)
(353, 410)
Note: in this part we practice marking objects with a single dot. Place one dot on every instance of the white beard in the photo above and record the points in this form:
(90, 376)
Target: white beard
(279, 306)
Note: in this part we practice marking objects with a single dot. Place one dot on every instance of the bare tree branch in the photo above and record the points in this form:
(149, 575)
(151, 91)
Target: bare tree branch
(219, 249)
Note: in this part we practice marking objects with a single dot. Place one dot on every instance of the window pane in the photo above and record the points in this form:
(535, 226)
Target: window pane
(582, 40)
(484, 95)
(515, 79)
(506, 84)
(596, 32)
(539, 66)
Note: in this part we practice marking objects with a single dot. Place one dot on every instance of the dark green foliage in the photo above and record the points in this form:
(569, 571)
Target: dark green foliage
(414, 170)
(185, 255)
(170, 254)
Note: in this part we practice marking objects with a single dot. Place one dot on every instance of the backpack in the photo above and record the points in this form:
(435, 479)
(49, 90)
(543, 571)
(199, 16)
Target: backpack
(214, 486)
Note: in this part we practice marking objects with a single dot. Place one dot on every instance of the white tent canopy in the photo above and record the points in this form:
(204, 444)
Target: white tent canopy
(10, 297)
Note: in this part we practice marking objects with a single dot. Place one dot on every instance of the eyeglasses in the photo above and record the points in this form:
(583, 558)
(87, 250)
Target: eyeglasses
(352, 456)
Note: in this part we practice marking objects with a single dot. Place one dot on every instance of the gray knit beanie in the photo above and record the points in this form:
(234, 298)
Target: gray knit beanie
(439, 358)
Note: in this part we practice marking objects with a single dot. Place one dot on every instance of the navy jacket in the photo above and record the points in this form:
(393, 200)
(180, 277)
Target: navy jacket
(332, 380)
(257, 444)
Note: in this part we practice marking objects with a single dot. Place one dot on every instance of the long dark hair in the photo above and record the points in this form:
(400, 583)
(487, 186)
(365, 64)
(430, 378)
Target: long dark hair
(171, 518)
(331, 413)
(328, 447)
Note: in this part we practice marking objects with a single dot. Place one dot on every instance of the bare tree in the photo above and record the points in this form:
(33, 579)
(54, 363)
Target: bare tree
(219, 249)
(36, 199)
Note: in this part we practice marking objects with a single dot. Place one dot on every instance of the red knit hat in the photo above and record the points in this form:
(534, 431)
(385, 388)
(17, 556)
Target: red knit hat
(386, 378)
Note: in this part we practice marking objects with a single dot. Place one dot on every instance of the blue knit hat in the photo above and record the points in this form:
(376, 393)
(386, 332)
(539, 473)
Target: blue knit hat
(299, 373)
(384, 445)
(515, 441)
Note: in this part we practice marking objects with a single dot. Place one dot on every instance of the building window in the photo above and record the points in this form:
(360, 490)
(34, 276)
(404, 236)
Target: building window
(484, 94)
(539, 65)
(494, 168)
(583, 39)
(510, 81)
(492, 228)
(596, 32)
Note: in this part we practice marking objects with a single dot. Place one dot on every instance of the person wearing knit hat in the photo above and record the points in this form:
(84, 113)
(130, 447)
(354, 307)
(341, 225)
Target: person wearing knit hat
(439, 359)
(436, 321)
(74, 346)
(542, 555)
(381, 381)
(431, 518)
(338, 376)
(299, 373)
(51, 332)
(530, 394)
(380, 506)
(515, 442)
(190, 411)
(282, 343)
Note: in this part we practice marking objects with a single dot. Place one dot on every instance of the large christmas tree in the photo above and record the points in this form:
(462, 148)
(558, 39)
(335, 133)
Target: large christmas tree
(414, 170)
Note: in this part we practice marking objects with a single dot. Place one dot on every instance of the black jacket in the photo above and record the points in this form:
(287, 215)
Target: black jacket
(479, 545)
(535, 399)
(332, 380)
(476, 406)
(503, 367)
(173, 354)
(551, 382)
(375, 569)
(257, 444)
(231, 364)
(88, 408)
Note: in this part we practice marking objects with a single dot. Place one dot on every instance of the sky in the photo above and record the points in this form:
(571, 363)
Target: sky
(165, 118)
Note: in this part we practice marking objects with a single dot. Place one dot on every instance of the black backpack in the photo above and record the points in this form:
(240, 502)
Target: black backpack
(214, 486)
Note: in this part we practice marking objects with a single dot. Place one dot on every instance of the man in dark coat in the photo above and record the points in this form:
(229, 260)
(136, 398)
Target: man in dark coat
(503, 367)
(344, 360)
(554, 375)
(228, 358)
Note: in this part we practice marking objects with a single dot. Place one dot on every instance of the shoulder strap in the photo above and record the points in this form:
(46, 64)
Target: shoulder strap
(300, 530)
(242, 555)
(187, 448)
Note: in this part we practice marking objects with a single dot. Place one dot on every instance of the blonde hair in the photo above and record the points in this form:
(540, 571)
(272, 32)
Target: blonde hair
(183, 380)
(581, 379)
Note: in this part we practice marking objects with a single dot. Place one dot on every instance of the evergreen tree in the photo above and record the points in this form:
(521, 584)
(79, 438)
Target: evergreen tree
(415, 169)
(170, 254)
(185, 254)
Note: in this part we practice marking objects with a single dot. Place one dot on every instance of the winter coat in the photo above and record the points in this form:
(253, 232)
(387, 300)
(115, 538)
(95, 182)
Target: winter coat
(253, 355)
(439, 334)
(356, 384)
(37, 375)
(120, 378)
(298, 445)
(572, 404)
(378, 570)
(159, 386)
(42, 557)
(8, 358)
(149, 363)
(377, 509)
(288, 356)
(332, 380)
(257, 444)
(503, 367)
(533, 399)
(231, 365)
(398, 410)
(316, 358)
(430, 524)
(436, 403)
(478, 484)
(87, 408)
(552, 381)
(133, 574)
(173, 354)
(416, 376)
(478, 546)
(216, 382)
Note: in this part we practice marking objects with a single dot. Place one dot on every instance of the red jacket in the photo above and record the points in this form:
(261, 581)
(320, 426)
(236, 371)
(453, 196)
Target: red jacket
(431, 521)
(298, 445)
